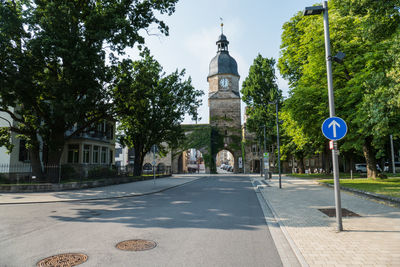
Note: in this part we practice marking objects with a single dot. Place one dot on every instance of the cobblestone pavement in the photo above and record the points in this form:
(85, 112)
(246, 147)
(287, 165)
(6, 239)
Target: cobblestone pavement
(373, 239)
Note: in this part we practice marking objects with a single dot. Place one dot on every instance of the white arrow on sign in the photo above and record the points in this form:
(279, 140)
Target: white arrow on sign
(334, 124)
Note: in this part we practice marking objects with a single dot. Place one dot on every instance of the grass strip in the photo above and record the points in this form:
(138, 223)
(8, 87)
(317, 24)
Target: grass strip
(326, 175)
(387, 187)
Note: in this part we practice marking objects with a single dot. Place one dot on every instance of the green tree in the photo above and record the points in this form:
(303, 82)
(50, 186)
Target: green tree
(365, 31)
(151, 105)
(259, 89)
(53, 64)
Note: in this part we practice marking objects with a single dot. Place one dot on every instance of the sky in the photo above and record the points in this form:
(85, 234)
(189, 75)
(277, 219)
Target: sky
(252, 27)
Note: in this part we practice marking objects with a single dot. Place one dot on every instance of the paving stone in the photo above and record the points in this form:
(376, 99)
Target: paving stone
(373, 239)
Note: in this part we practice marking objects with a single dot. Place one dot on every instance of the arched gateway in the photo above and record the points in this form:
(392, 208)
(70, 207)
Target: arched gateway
(225, 131)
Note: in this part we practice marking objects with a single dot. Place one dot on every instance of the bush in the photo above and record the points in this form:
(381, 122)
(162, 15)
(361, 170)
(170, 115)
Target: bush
(4, 179)
(68, 172)
(102, 172)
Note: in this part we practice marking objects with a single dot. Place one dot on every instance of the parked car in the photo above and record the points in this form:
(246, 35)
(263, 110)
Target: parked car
(388, 167)
(147, 168)
(362, 168)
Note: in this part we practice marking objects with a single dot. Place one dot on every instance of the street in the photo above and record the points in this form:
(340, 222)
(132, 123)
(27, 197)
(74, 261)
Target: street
(215, 221)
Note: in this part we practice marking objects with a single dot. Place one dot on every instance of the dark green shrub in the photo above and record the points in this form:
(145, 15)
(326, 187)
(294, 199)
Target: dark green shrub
(68, 172)
(102, 172)
(4, 179)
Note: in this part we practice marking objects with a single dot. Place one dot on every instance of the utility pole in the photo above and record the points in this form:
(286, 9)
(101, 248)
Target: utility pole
(261, 158)
(392, 149)
(265, 151)
(277, 141)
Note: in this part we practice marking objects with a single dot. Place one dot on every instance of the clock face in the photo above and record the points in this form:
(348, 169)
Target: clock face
(224, 83)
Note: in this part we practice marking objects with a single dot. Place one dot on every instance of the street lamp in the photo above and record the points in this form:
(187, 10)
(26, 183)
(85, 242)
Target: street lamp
(277, 139)
(314, 10)
(265, 150)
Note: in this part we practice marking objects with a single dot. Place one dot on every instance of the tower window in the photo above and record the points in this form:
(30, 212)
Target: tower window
(226, 132)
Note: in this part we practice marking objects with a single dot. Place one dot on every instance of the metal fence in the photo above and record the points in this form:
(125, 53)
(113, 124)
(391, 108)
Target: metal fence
(22, 173)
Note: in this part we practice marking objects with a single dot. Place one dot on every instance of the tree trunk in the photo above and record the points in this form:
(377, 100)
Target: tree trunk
(35, 163)
(138, 163)
(327, 158)
(55, 150)
(369, 154)
(300, 163)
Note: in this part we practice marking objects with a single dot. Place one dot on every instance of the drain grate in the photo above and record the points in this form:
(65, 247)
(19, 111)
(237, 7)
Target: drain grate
(331, 212)
(136, 245)
(63, 260)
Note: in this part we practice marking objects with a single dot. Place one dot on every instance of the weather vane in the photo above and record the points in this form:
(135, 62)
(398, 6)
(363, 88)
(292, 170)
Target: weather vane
(222, 25)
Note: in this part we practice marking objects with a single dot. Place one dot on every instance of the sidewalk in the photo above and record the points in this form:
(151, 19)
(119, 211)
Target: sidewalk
(112, 191)
(373, 239)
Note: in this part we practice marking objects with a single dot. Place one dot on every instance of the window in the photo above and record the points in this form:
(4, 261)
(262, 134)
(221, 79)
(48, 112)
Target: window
(73, 153)
(86, 153)
(110, 131)
(23, 151)
(95, 154)
(103, 155)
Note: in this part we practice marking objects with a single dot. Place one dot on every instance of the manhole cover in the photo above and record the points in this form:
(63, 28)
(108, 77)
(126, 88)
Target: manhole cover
(136, 245)
(332, 212)
(63, 260)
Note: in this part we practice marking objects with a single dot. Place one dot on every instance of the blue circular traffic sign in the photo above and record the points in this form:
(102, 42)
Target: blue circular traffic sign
(334, 128)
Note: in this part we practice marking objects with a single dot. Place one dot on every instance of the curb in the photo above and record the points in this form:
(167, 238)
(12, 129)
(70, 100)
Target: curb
(393, 200)
(105, 198)
(257, 188)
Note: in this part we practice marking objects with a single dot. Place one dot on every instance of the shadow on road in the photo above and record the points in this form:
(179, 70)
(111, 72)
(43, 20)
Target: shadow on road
(220, 202)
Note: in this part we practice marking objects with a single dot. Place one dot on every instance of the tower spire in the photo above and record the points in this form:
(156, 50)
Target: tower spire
(222, 42)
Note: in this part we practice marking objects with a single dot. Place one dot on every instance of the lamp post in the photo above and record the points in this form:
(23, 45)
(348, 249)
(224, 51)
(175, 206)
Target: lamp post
(392, 152)
(315, 10)
(277, 139)
(265, 150)
(277, 142)
(261, 158)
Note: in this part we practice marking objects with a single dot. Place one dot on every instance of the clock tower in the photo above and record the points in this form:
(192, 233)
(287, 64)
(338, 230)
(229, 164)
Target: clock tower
(224, 99)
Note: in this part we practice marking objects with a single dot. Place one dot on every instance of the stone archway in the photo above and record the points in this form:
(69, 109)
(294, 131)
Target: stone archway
(225, 161)
(191, 161)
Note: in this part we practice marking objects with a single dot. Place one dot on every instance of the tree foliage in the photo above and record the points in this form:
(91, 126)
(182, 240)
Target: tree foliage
(365, 88)
(151, 105)
(259, 90)
(53, 69)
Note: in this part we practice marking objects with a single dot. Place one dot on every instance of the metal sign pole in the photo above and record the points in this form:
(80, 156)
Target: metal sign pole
(154, 164)
(392, 152)
(332, 114)
(265, 151)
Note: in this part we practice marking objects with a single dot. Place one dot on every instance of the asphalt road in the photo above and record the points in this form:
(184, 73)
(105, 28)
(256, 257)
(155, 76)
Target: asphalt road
(215, 221)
